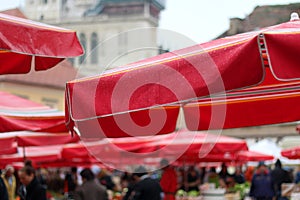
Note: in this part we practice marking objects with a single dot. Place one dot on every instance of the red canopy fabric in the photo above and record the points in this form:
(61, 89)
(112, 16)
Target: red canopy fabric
(245, 156)
(27, 138)
(184, 75)
(36, 154)
(291, 153)
(24, 43)
(18, 114)
(248, 107)
(182, 146)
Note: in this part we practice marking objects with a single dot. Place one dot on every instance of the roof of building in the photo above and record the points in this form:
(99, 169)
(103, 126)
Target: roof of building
(262, 16)
(14, 12)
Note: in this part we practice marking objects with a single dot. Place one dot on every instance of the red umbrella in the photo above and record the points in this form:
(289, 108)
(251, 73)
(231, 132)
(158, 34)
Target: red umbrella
(182, 76)
(27, 138)
(248, 107)
(25, 43)
(18, 114)
(183, 146)
(244, 156)
(291, 153)
(36, 154)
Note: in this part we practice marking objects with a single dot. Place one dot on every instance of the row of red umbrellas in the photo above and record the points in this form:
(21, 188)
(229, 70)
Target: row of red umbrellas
(61, 149)
(121, 100)
(26, 45)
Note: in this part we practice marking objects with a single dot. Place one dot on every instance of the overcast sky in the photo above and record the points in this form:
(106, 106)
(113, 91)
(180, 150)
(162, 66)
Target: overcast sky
(199, 20)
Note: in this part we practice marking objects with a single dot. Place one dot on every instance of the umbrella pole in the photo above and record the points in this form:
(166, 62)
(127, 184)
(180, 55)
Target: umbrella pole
(24, 154)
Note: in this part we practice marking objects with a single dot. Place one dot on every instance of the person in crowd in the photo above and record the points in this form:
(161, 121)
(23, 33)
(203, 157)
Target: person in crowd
(279, 176)
(238, 175)
(105, 179)
(224, 175)
(297, 175)
(90, 188)
(262, 185)
(128, 183)
(193, 180)
(212, 177)
(145, 188)
(10, 181)
(203, 174)
(168, 181)
(180, 178)
(3, 190)
(41, 175)
(249, 173)
(30, 189)
(70, 182)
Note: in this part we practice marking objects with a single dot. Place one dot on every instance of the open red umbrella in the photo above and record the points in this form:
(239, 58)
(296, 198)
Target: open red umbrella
(183, 146)
(19, 114)
(25, 44)
(28, 138)
(291, 153)
(182, 76)
(36, 154)
(245, 156)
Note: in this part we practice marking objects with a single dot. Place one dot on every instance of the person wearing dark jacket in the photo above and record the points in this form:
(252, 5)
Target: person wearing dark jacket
(279, 176)
(90, 189)
(146, 188)
(262, 185)
(3, 190)
(30, 189)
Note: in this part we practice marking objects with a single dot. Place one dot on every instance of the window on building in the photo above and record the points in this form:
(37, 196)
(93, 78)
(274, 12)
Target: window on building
(44, 1)
(94, 49)
(82, 39)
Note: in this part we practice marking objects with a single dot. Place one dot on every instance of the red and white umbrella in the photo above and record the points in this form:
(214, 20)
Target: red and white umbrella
(19, 114)
(185, 75)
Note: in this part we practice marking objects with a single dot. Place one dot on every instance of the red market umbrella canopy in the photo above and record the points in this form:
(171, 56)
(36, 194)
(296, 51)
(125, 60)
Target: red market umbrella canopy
(248, 107)
(18, 114)
(27, 138)
(193, 146)
(181, 76)
(245, 156)
(291, 153)
(25, 43)
(36, 154)
(183, 146)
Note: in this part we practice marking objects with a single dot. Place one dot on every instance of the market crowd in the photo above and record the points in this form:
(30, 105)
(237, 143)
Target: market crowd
(30, 183)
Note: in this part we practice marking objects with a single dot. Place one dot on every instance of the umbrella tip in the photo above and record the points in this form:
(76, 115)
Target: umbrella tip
(294, 16)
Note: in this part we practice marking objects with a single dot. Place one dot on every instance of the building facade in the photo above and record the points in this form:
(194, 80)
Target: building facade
(112, 32)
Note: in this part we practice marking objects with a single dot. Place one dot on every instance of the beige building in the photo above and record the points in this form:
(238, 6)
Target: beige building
(112, 32)
(46, 87)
